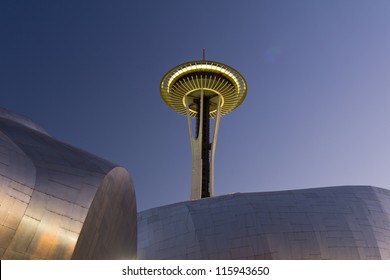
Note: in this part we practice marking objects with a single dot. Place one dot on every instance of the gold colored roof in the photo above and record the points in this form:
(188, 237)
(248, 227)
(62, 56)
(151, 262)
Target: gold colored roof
(214, 78)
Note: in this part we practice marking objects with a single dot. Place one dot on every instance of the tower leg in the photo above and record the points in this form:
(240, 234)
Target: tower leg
(213, 146)
(196, 149)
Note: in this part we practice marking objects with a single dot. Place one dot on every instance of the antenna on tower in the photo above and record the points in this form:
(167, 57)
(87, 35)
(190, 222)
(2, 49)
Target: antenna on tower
(204, 54)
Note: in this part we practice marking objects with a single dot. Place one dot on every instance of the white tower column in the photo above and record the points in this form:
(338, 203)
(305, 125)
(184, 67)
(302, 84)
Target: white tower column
(213, 145)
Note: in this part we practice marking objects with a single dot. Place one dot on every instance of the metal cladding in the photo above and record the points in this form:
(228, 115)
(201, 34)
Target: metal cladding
(59, 202)
(347, 222)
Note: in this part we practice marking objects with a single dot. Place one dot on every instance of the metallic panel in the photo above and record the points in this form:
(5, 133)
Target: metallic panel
(108, 231)
(48, 191)
(347, 222)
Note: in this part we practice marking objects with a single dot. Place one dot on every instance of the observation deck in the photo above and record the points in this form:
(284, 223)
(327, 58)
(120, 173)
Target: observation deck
(185, 82)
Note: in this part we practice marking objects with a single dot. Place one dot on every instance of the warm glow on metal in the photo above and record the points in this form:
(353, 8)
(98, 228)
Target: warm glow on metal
(213, 111)
(214, 78)
(213, 68)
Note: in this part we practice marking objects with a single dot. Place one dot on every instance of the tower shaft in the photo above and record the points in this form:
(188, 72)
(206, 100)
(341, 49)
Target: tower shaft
(202, 150)
(205, 143)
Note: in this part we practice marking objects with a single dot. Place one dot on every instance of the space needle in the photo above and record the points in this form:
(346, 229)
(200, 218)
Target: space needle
(202, 90)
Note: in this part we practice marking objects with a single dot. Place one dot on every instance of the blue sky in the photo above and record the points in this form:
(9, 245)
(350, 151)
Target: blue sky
(317, 107)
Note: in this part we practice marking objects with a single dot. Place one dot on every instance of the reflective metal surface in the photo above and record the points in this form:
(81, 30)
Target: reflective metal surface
(348, 222)
(59, 202)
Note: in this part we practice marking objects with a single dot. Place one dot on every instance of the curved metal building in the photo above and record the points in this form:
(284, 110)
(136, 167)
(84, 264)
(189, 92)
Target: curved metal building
(59, 202)
(347, 222)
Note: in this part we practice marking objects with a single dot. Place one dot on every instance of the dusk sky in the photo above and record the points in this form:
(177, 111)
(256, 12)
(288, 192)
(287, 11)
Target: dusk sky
(317, 109)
